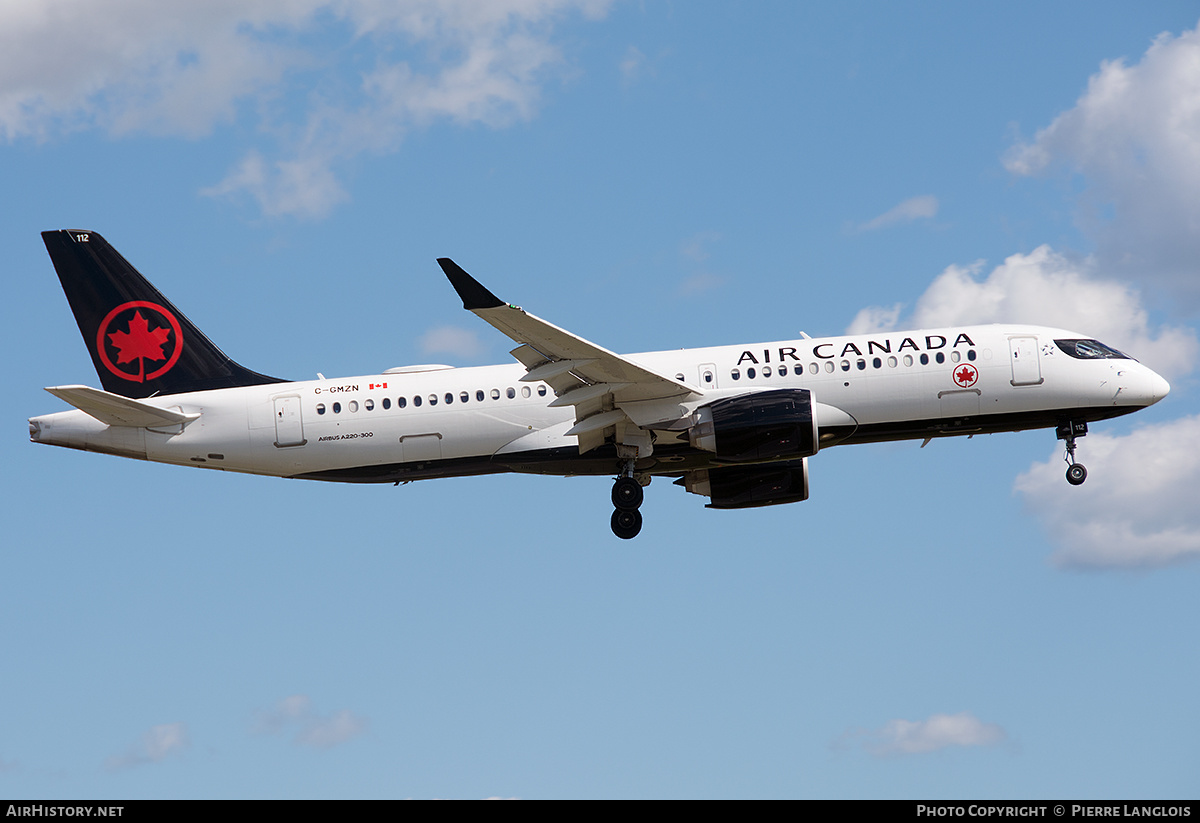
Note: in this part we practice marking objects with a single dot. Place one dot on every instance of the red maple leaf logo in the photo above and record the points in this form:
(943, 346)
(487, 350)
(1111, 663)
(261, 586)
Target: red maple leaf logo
(966, 376)
(140, 343)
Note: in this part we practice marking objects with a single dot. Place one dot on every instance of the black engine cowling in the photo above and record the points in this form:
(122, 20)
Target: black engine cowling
(759, 427)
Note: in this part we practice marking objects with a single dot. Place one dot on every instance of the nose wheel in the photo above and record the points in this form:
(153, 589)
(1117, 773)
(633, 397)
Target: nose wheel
(1068, 431)
(627, 497)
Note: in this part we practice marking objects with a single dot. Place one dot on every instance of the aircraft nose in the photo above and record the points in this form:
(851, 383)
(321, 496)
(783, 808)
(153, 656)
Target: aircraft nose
(1159, 387)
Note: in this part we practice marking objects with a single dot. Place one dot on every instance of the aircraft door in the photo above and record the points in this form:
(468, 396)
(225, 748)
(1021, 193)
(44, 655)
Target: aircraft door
(289, 428)
(1026, 368)
(415, 448)
(708, 376)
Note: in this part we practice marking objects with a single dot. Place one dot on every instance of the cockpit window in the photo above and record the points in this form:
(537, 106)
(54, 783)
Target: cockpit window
(1090, 350)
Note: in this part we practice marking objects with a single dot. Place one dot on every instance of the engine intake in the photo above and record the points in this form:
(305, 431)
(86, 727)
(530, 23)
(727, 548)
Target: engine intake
(758, 428)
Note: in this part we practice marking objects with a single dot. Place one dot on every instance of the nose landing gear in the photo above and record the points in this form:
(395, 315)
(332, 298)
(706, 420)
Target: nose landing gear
(1068, 431)
(627, 497)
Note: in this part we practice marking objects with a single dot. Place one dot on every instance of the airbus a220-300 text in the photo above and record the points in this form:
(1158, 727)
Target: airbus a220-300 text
(735, 424)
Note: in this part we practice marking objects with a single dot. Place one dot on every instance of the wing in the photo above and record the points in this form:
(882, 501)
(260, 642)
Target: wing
(607, 390)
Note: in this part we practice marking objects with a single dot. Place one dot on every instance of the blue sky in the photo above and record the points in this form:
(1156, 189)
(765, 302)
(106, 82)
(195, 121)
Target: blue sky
(953, 621)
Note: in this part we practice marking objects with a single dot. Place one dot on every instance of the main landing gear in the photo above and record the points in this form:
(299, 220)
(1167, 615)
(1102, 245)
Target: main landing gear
(1068, 431)
(627, 498)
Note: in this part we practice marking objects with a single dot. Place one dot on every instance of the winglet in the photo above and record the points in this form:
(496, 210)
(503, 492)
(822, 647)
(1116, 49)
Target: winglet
(473, 294)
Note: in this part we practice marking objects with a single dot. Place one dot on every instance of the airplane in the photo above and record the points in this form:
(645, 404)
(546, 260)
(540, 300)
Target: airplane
(736, 424)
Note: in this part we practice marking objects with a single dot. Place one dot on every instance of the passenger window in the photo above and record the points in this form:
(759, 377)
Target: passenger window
(464, 397)
(955, 357)
(970, 354)
(525, 391)
(369, 404)
(766, 371)
(541, 390)
(353, 406)
(479, 395)
(783, 371)
(891, 362)
(924, 359)
(416, 399)
(862, 364)
(320, 408)
(735, 374)
(908, 361)
(495, 394)
(750, 374)
(708, 377)
(510, 392)
(845, 365)
(433, 399)
(941, 358)
(829, 366)
(679, 377)
(814, 368)
(337, 408)
(877, 363)
(387, 403)
(449, 398)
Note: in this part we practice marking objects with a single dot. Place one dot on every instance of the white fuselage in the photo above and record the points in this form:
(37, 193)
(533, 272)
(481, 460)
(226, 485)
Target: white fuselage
(457, 421)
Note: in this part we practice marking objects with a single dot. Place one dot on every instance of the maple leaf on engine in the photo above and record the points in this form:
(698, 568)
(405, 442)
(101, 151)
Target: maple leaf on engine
(139, 341)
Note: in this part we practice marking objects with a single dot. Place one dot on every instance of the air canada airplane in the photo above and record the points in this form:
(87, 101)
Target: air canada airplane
(735, 424)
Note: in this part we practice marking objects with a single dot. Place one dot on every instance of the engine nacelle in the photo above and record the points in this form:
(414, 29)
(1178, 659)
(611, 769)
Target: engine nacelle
(759, 427)
(746, 487)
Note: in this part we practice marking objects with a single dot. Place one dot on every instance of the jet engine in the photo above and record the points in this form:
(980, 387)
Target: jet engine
(761, 427)
(747, 487)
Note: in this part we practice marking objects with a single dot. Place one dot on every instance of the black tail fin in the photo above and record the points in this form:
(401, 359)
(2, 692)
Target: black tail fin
(140, 343)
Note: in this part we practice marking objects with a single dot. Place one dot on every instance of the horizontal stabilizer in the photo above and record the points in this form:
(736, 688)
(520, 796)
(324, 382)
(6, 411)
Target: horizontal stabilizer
(115, 410)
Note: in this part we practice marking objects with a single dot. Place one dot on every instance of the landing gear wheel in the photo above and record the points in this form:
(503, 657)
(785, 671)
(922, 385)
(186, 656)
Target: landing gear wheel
(626, 523)
(627, 494)
(1068, 431)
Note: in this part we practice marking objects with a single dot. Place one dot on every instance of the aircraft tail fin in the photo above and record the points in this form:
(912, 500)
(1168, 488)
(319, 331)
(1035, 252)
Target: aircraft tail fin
(140, 343)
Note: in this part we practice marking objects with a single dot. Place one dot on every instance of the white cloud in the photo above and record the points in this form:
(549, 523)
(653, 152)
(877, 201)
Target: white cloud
(128, 66)
(296, 714)
(133, 65)
(453, 340)
(155, 745)
(695, 248)
(940, 731)
(1135, 137)
(632, 65)
(876, 318)
(327, 732)
(1138, 506)
(1044, 288)
(699, 283)
(914, 208)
